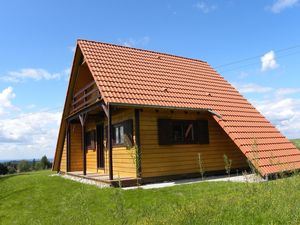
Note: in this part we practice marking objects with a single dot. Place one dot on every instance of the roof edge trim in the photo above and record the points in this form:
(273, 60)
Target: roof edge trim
(158, 106)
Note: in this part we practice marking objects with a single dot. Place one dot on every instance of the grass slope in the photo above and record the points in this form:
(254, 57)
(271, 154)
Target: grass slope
(37, 198)
(296, 142)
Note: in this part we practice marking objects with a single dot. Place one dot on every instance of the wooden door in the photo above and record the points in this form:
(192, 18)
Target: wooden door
(100, 146)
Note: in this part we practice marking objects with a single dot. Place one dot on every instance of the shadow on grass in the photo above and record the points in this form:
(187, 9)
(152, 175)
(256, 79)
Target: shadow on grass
(17, 192)
(5, 177)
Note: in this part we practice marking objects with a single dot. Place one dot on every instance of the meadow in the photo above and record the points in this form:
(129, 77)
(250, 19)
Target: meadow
(39, 198)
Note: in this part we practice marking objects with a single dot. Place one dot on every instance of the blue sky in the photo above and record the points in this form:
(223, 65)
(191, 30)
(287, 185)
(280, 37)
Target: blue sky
(37, 46)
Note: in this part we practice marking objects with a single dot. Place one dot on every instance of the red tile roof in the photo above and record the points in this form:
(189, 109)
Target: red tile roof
(140, 77)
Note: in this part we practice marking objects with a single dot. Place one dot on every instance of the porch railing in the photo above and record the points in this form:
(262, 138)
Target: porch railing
(85, 96)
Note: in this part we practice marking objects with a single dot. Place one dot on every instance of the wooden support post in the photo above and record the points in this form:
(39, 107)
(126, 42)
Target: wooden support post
(82, 118)
(138, 143)
(68, 147)
(109, 139)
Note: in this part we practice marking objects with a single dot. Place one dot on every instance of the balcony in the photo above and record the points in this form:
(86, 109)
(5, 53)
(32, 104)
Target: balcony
(85, 96)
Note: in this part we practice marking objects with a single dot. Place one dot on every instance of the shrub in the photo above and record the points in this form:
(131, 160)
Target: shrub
(24, 166)
(3, 169)
(11, 169)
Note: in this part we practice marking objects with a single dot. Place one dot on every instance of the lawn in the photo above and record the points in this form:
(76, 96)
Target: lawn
(296, 142)
(37, 198)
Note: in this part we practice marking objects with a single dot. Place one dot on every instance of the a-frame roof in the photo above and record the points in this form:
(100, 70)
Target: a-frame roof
(145, 78)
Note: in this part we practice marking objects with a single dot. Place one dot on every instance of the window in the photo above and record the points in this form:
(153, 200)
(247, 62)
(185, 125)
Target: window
(119, 134)
(182, 132)
(90, 139)
(123, 133)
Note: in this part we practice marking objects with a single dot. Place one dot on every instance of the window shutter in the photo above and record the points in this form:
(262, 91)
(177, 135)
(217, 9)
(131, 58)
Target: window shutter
(106, 136)
(203, 133)
(93, 136)
(128, 131)
(196, 131)
(165, 131)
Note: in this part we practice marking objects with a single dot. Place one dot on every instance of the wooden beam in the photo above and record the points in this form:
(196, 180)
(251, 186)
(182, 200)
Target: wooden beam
(138, 142)
(109, 139)
(84, 110)
(82, 118)
(68, 147)
(105, 109)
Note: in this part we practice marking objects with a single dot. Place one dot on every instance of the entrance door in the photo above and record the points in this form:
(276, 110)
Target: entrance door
(100, 146)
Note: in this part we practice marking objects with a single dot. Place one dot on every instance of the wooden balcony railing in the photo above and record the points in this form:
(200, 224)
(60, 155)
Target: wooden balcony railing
(85, 96)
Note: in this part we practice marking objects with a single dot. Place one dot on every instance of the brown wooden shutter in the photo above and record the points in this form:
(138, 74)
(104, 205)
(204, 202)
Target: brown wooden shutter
(128, 131)
(93, 136)
(203, 132)
(165, 129)
(196, 131)
(106, 136)
(90, 139)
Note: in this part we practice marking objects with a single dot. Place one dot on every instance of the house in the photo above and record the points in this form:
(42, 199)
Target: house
(137, 114)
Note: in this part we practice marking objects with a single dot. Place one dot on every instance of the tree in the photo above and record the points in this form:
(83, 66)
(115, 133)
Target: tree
(24, 166)
(3, 169)
(33, 165)
(11, 169)
(45, 163)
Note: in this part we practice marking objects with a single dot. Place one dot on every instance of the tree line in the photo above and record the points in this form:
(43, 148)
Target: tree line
(25, 166)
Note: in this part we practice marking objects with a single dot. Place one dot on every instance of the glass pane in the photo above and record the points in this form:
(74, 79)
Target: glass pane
(117, 135)
(122, 134)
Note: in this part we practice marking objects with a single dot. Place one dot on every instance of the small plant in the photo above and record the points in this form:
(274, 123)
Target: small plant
(201, 168)
(228, 163)
(119, 181)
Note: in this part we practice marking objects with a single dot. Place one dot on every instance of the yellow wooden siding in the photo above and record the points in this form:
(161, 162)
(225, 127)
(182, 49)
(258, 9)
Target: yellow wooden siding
(63, 161)
(123, 159)
(84, 77)
(76, 148)
(91, 154)
(162, 160)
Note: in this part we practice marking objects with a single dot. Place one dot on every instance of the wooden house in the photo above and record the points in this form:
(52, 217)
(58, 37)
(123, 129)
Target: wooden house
(136, 114)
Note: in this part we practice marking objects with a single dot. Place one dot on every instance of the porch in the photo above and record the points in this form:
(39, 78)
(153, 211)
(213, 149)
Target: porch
(88, 148)
(105, 179)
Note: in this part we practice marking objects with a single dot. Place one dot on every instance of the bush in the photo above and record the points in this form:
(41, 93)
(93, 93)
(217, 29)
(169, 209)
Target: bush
(3, 169)
(24, 166)
(11, 169)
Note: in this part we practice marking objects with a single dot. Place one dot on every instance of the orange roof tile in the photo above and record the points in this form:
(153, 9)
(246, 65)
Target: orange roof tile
(140, 77)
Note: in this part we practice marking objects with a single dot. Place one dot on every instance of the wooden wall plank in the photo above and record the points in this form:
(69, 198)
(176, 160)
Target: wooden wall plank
(162, 160)
(63, 162)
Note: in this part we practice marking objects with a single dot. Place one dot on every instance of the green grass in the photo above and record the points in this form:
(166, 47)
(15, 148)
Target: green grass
(37, 198)
(296, 142)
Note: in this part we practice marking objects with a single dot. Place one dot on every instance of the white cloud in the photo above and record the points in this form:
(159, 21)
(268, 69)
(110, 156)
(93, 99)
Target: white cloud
(205, 7)
(284, 113)
(287, 91)
(32, 133)
(25, 135)
(30, 73)
(280, 5)
(131, 42)
(5, 99)
(252, 88)
(268, 61)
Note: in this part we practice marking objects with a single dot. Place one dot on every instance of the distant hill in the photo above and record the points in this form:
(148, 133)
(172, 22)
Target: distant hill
(18, 160)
